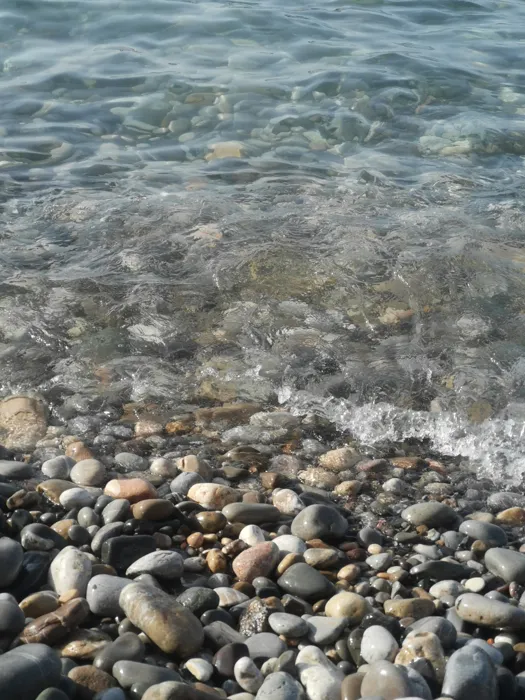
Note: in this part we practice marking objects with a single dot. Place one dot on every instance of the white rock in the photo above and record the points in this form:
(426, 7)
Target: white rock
(287, 501)
(252, 535)
(446, 587)
(88, 472)
(76, 498)
(248, 675)
(287, 544)
(476, 584)
(70, 569)
(200, 669)
(320, 678)
(378, 645)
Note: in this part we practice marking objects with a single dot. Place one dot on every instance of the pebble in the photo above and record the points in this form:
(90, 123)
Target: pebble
(265, 645)
(28, 670)
(164, 565)
(410, 607)
(280, 686)
(88, 472)
(287, 501)
(248, 675)
(70, 569)
(259, 560)
(489, 612)
(200, 669)
(122, 550)
(225, 659)
(126, 647)
(199, 599)
(430, 513)
(378, 644)
(384, 679)
(90, 680)
(76, 498)
(174, 690)
(11, 559)
(492, 535)
(319, 521)
(305, 582)
(57, 467)
(251, 513)
(289, 544)
(326, 630)
(440, 626)
(506, 563)
(350, 606)
(470, 673)
(252, 535)
(288, 625)
(133, 490)
(154, 509)
(171, 626)
(230, 596)
(321, 679)
(182, 483)
(423, 645)
(213, 495)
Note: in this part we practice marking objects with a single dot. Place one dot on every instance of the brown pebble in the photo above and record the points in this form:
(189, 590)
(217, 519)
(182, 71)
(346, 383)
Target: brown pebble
(38, 604)
(350, 572)
(252, 497)
(134, 490)
(23, 499)
(211, 521)
(317, 544)
(78, 451)
(196, 540)
(319, 606)
(83, 644)
(102, 569)
(153, 509)
(54, 488)
(479, 547)
(179, 427)
(351, 686)
(512, 516)
(52, 627)
(217, 562)
(259, 560)
(148, 425)
(244, 587)
(234, 548)
(421, 593)
(287, 561)
(62, 527)
(271, 480)
(348, 488)
(90, 680)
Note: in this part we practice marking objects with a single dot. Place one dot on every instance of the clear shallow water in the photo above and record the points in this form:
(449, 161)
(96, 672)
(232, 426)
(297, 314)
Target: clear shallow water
(319, 204)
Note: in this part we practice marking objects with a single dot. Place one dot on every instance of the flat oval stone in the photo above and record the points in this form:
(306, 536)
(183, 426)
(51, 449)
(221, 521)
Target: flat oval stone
(252, 535)
(319, 521)
(265, 645)
(288, 625)
(321, 679)
(126, 647)
(76, 498)
(431, 514)
(259, 560)
(53, 488)
(409, 607)
(470, 673)
(103, 594)
(385, 680)
(154, 509)
(133, 490)
(280, 686)
(162, 564)
(489, 612)
(378, 644)
(251, 513)
(40, 603)
(506, 563)
(15, 471)
(70, 569)
(28, 670)
(290, 544)
(492, 535)
(171, 626)
(248, 675)
(211, 495)
(173, 690)
(199, 599)
(57, 467)
(325, 630)
(88, 472)
(230, 596)
(90, 680)
(128, 673)
(440, 570)
(305, 582)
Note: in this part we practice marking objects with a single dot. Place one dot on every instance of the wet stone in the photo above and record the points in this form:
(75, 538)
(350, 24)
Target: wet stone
(251, 513)
(384, 679)
(439, 626)
(506, 563)
(122, 551)
(470, 673)
(305, 582)
(319, 522)
(116, 511)
(265, 645)
(431, 514)
(488, 612)
(28, 670)
(226, 658)
(11, 558)
(103, 593)
(129, 672)
(164, 565)
(492, 535)
(199, 600)
(126, 647)
(259, 560)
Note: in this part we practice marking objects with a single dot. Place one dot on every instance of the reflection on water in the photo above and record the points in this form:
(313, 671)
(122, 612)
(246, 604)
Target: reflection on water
(315, 203)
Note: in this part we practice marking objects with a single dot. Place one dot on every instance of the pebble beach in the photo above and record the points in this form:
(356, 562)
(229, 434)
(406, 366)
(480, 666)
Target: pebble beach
(243, 552)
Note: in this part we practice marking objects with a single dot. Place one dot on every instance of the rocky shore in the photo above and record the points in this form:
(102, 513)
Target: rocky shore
(243, 552)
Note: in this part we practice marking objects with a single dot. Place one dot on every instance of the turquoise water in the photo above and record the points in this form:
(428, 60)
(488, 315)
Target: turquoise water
(319, 203)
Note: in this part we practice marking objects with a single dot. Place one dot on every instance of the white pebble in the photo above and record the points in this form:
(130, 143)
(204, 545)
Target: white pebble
(252, 535)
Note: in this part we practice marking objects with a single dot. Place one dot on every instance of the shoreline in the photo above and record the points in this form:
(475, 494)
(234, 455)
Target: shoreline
(246, 553)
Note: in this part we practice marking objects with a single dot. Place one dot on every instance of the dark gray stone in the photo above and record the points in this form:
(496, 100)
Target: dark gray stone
(11, 558)
(105, 533)
(128, 673)
(492, 535)
(251, 513)
(127, 647)
(103, 593)
(28, 670)
(319, 521)
(120, 552)
(305, 582)
(218, 634)
(506, 563)
(15, 471)
(199, 599)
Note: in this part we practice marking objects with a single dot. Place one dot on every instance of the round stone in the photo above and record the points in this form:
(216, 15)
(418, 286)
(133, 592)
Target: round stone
(280, 686)
(212, 495)
(287, 501)
(378, 645)
(289, 544)
(199, 599)
(506, 563)
(384, 679)
(319, 521)
(154, 509)
(70, 569)
(349, 605)
(470, 673)
(259, 560)
(133, 490)
(57, 467)
(200, 669)
(288, 625)
(88, 472)
(305, 582)
(76, 498)
(265, 645)
(126, 647)
(491, 535)
(252, 535)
